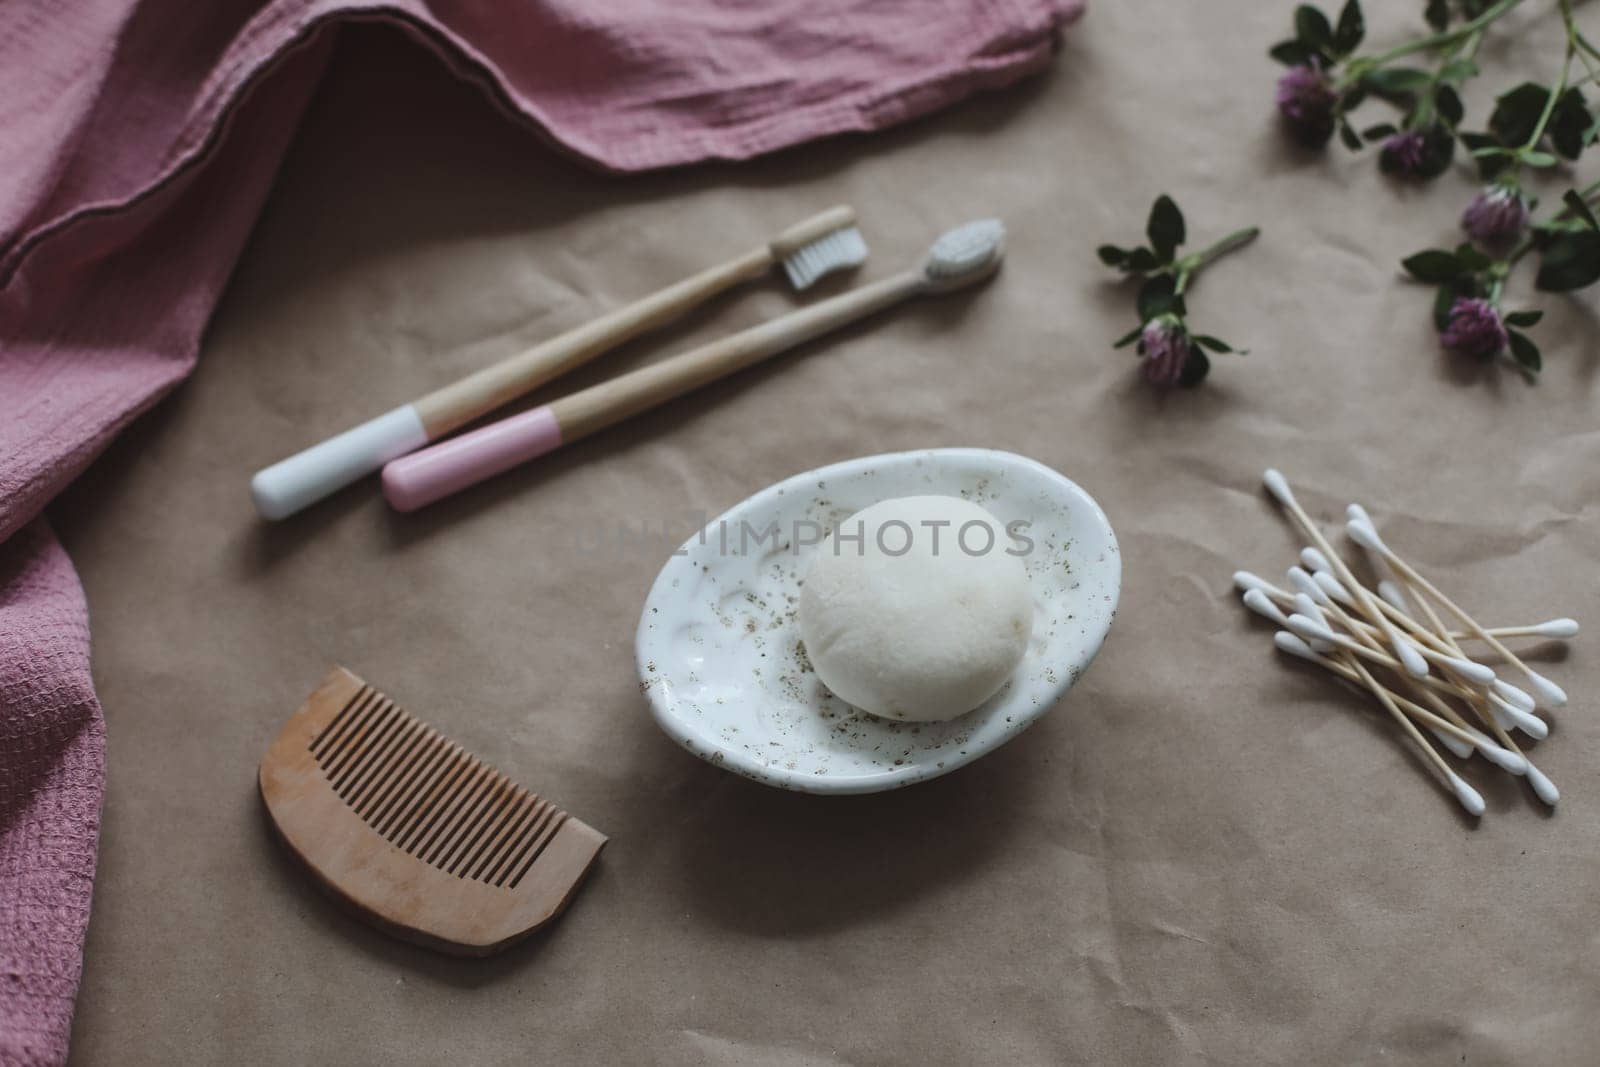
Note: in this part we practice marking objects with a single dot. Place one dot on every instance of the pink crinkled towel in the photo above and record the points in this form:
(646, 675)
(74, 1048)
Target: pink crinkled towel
(139, 138)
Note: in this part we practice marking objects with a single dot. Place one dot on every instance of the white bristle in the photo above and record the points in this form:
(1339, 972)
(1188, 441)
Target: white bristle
(965, 253)
(839, 250)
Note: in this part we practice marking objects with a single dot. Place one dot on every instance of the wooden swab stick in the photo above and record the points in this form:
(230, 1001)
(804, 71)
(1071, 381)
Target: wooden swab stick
(1278, 486)
(1556, 629)
(1467, 795)
(1476, 673)
(1364, 535)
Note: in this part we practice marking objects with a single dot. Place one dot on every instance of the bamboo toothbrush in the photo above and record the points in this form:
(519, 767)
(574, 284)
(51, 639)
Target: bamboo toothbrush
(808, 251)
(958, 258)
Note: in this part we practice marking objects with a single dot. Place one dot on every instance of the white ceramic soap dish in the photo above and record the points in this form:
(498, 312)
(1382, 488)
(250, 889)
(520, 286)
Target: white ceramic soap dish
(720, 656)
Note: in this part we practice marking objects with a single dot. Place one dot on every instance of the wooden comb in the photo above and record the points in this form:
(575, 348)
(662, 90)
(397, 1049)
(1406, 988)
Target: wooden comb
(413, 833)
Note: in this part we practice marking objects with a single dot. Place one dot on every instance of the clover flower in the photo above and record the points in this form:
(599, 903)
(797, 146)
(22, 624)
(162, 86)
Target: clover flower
(1306, 101)
(1497, 217)
(1474, 329)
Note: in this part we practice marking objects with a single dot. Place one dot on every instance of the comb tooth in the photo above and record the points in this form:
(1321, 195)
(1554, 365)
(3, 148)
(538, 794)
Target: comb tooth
(505, 809)
(376, 738)
(521, 808)
(474, 826)
(436, 761)
(525, 842)
(320, 743)
(496, 872)
(460, 817)
(428, 813)
(539, 844)
(387, 767)
(339, 753)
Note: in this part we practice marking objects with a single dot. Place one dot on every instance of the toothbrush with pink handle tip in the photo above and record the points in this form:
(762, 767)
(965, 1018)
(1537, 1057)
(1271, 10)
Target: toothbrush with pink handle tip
(960, 257)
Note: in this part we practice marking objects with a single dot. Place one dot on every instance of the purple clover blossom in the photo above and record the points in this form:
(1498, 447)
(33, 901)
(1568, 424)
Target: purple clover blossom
(1497, 217)
(1474, 329)
(1404, 153)
(1306, 101)
(1166, 350)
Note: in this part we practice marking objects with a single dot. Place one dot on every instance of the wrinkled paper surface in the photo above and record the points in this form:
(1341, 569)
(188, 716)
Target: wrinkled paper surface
(1203, 854)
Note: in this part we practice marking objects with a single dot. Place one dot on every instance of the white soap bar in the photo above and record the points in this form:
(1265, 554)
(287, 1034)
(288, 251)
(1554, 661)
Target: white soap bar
(917, 608)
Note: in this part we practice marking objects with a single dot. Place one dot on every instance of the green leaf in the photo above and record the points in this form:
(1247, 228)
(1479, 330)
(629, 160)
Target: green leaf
(1293, 53)
(1444, 299)
(1571, 126)
(1448, 104)
(1539, 160)
(1570, 261)
(1111, 255)
(1438, 148)
(1516, 113)
(1471, 258)
(1434, 265)
(1457, 71)
(1351, 29)
(1524, 351)
(1157, 297)
(1348, 135)
(1312, 27)
(1524, 318)
(1216, 344)
(1141, 260)
(1379, 132)
(1128, 338)
(1390, 82)
(1437, 14)
(1579, 208)
(1195, 368)
(1165, 228)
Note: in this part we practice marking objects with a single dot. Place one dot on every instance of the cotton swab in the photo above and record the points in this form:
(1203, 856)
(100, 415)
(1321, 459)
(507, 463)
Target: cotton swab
(1558, 629)
(1473, 739)
(1388, 589)
(1278, 486)
(1366, 536)
(1476, 673)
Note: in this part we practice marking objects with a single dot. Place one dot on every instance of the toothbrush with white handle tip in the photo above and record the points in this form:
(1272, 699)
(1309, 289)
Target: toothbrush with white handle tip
(1467, 737)
(808, 250)
(1278, 486)
(957, 259)
(1366, 536)
(1465, 794)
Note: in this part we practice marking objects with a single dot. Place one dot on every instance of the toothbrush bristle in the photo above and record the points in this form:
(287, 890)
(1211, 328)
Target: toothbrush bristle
(839, 250)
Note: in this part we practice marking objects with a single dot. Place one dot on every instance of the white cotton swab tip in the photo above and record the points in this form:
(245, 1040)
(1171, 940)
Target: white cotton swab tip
(1244, 581)
(1332, 587)
(1262, 605)
(1561, 628)
(1410, 658)
(1466, 794)
(1503, 758)
(1306, 585)
(1314, 561)
(1357, 513)
(1366, 535)
(1390, 592)
(1513, 695)
(1310, 629)
(1509, 716)
(1549, 692)
(1543, 787)
(1476, 673)
(1292, 645)
(1278, 486)
(1460, 748)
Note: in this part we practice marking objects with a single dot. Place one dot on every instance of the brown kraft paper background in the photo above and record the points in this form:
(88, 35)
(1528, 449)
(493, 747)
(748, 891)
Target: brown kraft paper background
(1203, 854)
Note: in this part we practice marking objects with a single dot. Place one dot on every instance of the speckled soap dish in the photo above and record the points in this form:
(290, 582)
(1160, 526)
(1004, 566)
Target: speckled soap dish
(720, 656)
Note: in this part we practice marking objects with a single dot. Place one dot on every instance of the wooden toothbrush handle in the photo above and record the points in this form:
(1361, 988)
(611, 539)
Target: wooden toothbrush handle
(477, 394)
(610, 402)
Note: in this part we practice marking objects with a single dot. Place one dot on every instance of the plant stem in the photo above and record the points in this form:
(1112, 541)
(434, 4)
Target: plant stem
(1555, 94)
(1194, 263)
(1422, 44)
